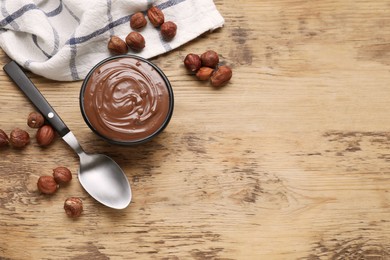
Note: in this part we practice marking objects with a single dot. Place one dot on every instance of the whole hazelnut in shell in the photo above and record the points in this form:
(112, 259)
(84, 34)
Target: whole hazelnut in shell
(221, 76)
(45, 135)
(192, 62)
(117, 46)
(210, 59)
(204, 73)
(168, 30)
(35, 120)
(156, 16)
(19, 138)
(73, 207)
(135, 41)
(138, 21)
(62, 175)
(47, 185)
(4, 140)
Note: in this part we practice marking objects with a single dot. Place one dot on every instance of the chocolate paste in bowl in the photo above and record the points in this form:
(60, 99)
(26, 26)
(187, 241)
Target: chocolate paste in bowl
(127, 99)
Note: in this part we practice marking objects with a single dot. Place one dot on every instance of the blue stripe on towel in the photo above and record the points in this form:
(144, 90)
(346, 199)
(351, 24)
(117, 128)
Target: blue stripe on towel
(18, 13)
(73, 45)
(115, 23)
(5, 13)
(72, 63)
(77, 40)
(74, 41)
(56, 11)
(169, 4)
(109, 16)
(72, 14)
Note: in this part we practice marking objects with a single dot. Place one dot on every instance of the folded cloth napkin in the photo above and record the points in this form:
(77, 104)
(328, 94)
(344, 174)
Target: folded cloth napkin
(64, 39)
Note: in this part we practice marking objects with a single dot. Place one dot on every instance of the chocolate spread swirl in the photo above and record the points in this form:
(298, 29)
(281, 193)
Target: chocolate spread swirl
(126, 99)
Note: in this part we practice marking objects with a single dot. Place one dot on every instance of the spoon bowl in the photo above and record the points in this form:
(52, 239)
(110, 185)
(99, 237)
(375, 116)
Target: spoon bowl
(99, 175)
(99, 172)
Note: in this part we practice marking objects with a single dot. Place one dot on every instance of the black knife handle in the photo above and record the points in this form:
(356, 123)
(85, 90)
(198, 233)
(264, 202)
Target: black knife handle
(30, 90)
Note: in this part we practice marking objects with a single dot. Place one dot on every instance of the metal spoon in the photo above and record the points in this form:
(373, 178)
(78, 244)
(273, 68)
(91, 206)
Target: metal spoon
(100, 176)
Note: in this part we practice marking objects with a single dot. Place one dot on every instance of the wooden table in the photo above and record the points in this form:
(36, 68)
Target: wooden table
(291, 160)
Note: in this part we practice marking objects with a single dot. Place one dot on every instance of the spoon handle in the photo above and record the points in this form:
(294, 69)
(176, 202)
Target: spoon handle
(30, 90)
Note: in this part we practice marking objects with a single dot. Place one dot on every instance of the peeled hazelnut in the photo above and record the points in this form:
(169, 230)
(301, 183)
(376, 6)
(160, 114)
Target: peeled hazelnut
(73, 207)
(204, 73)
(221, 76)
(135, 41)
(156, 16)
(117, 46)
(62, 175)
(4, 140)
(19, 138)
(210, 59)
(192, 62)
(138, 21)
(168, 30)
(45, 135)
(47, 184)
(35, 120)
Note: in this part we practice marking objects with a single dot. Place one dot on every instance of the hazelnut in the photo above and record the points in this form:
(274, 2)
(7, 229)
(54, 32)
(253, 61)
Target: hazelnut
(210, 59)
(45, 135)
(192, 62)
(47, 184)
(62, 175)
(156, 16)
(138, 21)
(221, 76)
(204, 73)
(73, 207)
(168, 30)
(35, 120)
(4, 140)
(135, 41)
(117, 46)
(19, 138)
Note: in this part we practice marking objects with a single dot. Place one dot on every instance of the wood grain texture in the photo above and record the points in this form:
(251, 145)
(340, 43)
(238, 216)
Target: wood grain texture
(288, 161)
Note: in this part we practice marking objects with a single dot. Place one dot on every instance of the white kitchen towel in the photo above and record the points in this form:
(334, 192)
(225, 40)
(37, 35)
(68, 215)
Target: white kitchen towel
(64, 39)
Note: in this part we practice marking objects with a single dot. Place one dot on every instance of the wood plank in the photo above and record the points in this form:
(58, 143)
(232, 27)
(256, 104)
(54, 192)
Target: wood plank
(288, 161)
